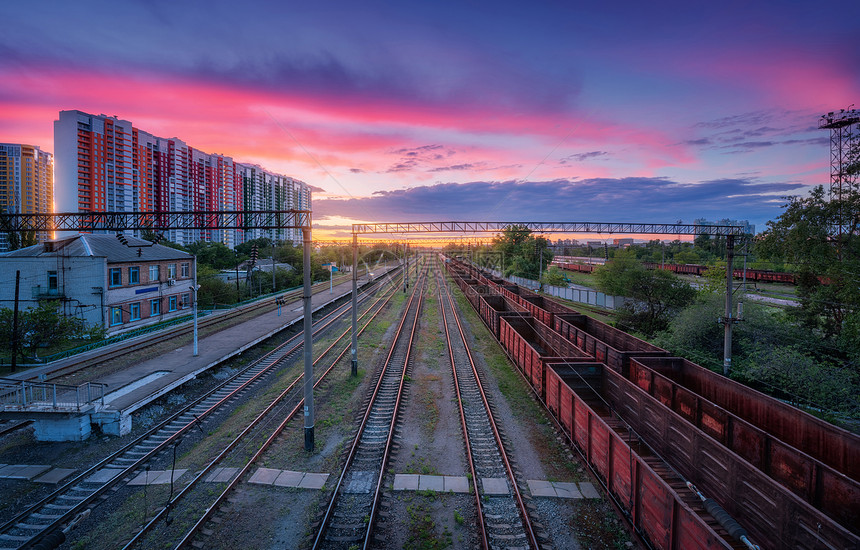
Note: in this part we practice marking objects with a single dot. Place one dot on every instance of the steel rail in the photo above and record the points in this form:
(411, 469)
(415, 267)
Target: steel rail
(14, 427)
(280, 428)
(60, 492)
(378, 491)
(363, 424)
(482, 527)
(527, 524)
(616, 504)
(260, 417)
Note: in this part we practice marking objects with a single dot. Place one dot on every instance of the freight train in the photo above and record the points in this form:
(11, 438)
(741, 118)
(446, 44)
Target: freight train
(654, 428)
(752, 275)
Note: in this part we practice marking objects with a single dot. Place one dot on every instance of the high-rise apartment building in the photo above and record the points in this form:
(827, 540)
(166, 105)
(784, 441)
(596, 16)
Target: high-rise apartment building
(107, 164)
(26, 183)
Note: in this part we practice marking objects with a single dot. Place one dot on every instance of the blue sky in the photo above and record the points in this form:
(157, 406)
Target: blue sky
(548, 111)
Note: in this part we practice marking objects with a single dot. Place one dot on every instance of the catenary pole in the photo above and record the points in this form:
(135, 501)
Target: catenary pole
(15, 322)
(309, 361)
(354, 304)
(727, 320)
(195, 287)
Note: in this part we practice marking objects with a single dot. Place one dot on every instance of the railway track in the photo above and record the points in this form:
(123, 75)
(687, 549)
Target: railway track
(257, 435)
(44, 517)
(503, 521)
(349, 516)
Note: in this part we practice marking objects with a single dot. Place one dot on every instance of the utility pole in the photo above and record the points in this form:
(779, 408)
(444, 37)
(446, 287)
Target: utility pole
(15, 322)
(238, 292)
(309, 357)
(195, 287)
(727, 319)
(354, 371)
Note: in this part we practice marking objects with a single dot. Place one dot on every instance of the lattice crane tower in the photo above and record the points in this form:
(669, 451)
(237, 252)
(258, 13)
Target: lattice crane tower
(844, 129)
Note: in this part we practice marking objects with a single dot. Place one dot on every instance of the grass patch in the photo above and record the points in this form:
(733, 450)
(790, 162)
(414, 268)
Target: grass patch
(424, 534)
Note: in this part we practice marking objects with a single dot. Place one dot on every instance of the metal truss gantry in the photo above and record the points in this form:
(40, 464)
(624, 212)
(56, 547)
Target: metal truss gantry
(466, 227)
(201, 219)
(157, 221)
(549, 227)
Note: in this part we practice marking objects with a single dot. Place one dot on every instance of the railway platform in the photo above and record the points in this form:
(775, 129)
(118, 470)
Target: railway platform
(59, 417)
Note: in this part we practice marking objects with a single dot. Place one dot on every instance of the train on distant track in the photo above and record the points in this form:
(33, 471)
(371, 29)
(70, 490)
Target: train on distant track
(753, 275)
(692, 459)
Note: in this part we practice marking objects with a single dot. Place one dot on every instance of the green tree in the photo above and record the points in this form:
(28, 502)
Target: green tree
(654, 295)
(213, 254)
(714, 279)
(522, 251)
(826, 260)
(553, 276)
(769, 352)
(39, 327)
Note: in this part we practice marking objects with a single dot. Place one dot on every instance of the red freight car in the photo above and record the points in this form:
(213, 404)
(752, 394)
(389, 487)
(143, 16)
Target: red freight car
(774, 516)
(532, 344)
(493, 307)
(541, 307)
(829, 444)
(826, 489)
(603, 342)
(655, 501)
(474, 292)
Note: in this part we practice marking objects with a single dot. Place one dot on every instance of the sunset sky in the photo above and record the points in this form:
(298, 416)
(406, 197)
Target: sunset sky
(461, 110)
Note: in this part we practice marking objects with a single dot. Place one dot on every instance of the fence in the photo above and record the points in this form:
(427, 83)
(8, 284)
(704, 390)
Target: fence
(582, 296)
(20, 395)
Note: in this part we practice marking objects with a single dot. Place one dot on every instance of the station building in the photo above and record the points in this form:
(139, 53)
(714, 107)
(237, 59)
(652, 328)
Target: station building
(101, 280)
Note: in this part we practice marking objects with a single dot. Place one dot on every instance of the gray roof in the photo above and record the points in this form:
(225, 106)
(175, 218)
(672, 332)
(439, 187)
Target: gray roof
(103, 246)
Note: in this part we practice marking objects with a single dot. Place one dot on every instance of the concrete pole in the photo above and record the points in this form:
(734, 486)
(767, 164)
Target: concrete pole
(195, 287)
(15, 323)
(354, 304)
(309, 356)
(727, 320)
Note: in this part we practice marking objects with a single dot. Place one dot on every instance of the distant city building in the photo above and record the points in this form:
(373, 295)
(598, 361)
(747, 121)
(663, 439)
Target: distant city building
(107, 164)
(747, 226)
(622, 242)
(101, 280)
(26, 183)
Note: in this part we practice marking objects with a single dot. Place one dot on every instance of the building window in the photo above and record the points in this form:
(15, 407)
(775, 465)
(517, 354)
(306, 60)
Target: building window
(153, 273)
(134, 310)
(171, 303)
(171, 271)
(186, 300)
(186, 269)
(53, 281)
(133, 275)
(155, 307)
(115, 316)
(115, 276)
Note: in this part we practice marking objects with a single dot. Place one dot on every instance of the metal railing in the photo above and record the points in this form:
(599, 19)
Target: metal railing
(21, 395)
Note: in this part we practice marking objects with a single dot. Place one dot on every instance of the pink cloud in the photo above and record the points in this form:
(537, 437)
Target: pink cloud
(244, 122)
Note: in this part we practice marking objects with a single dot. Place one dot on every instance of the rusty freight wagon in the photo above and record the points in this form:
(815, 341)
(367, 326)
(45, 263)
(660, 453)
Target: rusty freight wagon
(493, 307)
(684, 387)
(543, 308)
(774, 516)
(605, 343)
(656, 502)
(532, 345)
